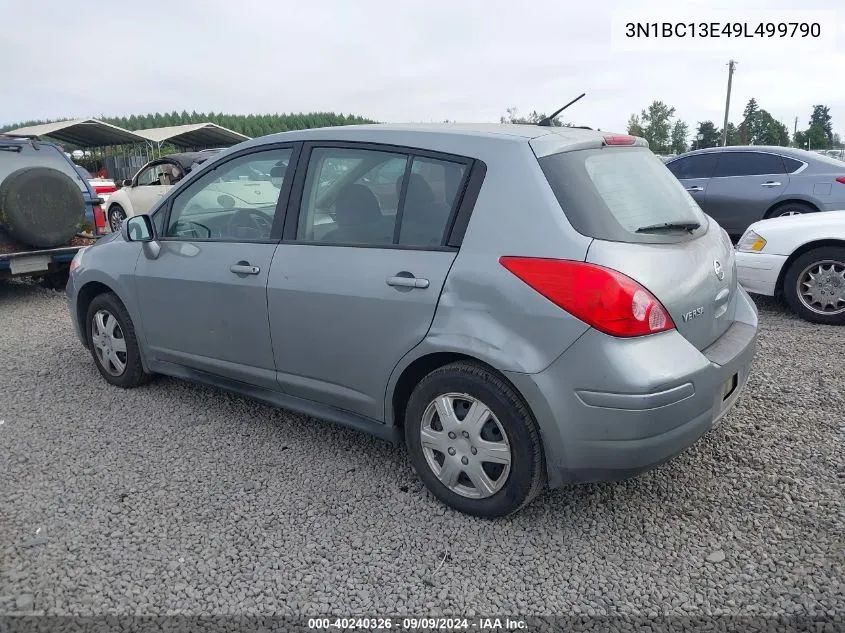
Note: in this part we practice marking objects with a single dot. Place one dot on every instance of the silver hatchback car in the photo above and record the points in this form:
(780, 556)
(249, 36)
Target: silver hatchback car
(520, 305)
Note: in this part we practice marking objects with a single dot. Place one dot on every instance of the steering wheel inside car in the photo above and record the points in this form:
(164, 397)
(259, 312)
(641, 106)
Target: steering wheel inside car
(189, 228)
(250, 221)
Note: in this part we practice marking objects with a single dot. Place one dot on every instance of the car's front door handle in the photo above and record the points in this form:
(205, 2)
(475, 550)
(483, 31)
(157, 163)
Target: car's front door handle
(695, 189)
(407, 282)
(244, 268)
(770, 183)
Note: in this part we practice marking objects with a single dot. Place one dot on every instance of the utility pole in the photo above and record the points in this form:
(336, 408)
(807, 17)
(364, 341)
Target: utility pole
(795, 132)
(731, 68)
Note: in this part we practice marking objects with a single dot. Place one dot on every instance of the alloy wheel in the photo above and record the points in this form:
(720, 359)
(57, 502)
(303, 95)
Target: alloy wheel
(821, 287)
(116, 217)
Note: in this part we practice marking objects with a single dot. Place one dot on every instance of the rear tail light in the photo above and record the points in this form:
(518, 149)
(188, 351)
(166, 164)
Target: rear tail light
(841, 179)
(99, 220)
(620, 139)
(603, 298)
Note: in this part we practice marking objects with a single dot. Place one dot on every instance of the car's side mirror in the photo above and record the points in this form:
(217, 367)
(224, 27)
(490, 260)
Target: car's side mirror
(138, 228)
(127, 183)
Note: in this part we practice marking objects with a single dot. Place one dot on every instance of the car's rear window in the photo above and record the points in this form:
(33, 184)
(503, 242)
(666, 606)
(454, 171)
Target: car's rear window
(612, 192)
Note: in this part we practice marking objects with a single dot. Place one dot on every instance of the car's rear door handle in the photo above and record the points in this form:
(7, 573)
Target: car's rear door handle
(244, 268)
(770, 183)
(400, 281)
(695, 188)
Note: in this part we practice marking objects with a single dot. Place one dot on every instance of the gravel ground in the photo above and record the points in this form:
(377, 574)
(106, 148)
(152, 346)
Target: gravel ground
(175, 498)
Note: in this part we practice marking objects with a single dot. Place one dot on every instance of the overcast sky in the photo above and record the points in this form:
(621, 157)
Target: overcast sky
(394, 60)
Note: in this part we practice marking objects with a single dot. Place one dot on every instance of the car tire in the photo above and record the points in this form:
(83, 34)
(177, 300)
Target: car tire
(507, 431)
(116, 216)
(790, 208)
(827, 264)
(113, 344)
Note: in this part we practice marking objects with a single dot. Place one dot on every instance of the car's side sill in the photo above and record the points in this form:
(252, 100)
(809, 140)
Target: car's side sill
(282, 400)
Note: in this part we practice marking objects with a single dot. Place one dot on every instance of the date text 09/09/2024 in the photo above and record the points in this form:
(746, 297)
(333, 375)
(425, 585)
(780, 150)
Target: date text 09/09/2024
(722, 29)
(417, 624)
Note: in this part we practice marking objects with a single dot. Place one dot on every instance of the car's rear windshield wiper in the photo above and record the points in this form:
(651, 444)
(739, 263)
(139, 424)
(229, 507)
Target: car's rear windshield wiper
(669, 226)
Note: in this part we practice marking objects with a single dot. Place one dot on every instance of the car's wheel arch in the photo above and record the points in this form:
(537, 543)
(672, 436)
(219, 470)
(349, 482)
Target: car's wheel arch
(93, 288)
(120, 199)
(408, 375)
(85, 295)
(798, 252)
(790, 200)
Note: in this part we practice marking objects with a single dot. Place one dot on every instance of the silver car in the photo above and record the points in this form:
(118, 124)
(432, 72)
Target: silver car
(739, 185)
(520, 305)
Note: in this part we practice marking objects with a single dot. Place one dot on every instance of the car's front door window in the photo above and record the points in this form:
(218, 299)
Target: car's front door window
(694, 167)
(148, 176)
(234, 202)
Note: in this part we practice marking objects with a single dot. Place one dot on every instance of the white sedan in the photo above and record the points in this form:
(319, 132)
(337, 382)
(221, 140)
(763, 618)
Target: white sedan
(799, 257)
(152, 181)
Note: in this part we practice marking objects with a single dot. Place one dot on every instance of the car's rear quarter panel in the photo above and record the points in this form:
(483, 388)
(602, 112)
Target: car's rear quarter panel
(485, 311)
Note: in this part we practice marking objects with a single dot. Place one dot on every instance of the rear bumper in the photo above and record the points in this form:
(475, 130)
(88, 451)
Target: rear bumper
(759, 272)
(36, 262)
(613, 408)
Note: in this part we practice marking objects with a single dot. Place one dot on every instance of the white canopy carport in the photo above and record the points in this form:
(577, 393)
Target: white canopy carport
(195, 135)
(82, 133)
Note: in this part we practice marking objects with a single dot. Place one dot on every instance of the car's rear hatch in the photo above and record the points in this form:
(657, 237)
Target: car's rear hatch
(646, 226)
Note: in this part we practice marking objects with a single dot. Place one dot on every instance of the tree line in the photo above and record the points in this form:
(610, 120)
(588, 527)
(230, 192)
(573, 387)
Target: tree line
(512, 116)
(669, 135)
(657, 123)
(250, 124)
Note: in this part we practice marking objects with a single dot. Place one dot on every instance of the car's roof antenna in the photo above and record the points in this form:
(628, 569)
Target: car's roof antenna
(547, 122)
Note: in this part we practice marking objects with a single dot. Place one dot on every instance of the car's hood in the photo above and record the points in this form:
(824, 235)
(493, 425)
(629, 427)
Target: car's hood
(800, 222)
(108, 237)
(784, 235)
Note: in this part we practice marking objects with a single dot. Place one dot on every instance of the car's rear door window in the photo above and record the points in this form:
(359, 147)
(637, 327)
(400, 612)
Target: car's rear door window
(355, 196)
(429, 200)
(342, 202)
(791, 164)
(733, 164)
(612, 193)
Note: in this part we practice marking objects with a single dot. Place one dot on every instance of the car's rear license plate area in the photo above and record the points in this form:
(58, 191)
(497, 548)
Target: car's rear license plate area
(729, 386)
(29, 264)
